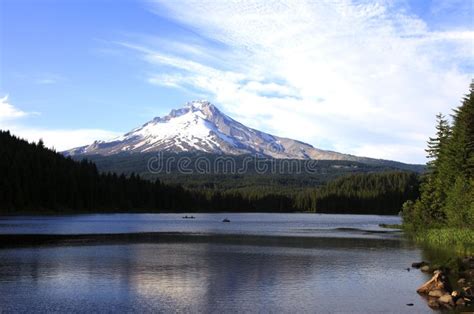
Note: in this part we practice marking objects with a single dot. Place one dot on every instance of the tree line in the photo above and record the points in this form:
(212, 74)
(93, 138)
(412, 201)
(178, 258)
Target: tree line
(281, 175)
(372, 193)
(34, 178)
(38, 180)
(447, 189)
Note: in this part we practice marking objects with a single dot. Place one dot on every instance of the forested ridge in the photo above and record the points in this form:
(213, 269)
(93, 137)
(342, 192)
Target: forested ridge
(273, 176)
(38, 180)
(373, 193)
(444, 211)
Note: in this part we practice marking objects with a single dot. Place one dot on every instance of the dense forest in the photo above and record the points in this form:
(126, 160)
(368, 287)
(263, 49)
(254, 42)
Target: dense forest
(281, 176)
(36, 179)
(373, 193)
(446, 203)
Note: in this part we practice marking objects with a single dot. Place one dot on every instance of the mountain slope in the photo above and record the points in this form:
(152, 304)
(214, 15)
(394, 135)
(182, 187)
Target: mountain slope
(201, 127)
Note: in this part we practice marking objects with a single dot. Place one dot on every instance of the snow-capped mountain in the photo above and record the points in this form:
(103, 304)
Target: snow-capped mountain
(200, 127)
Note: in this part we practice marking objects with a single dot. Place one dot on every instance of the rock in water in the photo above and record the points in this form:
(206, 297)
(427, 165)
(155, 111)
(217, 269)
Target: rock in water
(446, 299)
(436, 293)
(437, 282)
(460, 302)
(433, 303)
(425, 269)
(418, 265)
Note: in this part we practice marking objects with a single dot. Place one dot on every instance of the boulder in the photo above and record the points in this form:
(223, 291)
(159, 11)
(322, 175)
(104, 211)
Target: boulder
(446, 299)
(436, 293)
(437, 282)
(460, 302)
(425, 269)
(433, 303)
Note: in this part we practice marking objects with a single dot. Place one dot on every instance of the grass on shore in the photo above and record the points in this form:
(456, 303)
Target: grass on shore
(457, 239)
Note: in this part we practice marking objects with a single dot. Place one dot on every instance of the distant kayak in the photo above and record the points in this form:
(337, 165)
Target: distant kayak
(188, 217)
(226, 220)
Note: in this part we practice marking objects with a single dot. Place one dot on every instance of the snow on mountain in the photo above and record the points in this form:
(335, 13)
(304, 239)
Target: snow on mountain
(200, 127)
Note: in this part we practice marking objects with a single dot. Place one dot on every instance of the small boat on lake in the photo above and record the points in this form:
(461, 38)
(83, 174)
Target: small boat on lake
(226, 220)
(188, 217)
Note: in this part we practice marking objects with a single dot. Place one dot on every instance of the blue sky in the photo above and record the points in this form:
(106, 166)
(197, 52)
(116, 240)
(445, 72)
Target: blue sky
(360, 77)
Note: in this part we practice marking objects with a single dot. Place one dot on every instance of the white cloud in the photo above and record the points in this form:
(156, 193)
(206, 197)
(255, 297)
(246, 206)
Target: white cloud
(46, 81)
(8, 111)
(59, 139)
(365, 78)
(390, 151)
(62, 139)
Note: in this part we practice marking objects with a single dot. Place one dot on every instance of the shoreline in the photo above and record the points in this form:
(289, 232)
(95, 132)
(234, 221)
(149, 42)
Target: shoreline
(449, 288)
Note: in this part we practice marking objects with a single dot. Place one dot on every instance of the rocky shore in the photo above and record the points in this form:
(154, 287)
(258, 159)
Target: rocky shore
(449, 289)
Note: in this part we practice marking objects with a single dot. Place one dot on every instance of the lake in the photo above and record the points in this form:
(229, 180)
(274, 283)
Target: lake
(254, 263)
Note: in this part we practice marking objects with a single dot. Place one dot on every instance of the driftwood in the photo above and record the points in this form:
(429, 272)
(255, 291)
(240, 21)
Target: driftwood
(438, 282)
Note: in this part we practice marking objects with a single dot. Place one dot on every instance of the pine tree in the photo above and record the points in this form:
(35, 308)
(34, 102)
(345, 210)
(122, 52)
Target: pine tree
(461, 148)
(437, 144)
(447, 191)
(459, 165)
(430, 208)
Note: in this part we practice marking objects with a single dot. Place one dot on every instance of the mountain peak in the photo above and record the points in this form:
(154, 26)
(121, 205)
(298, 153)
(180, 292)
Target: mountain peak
(203, 106)
(199, 104)
(199, 126)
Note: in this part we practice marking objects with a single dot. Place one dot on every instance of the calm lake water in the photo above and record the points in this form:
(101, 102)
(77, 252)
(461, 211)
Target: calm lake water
(332, 263)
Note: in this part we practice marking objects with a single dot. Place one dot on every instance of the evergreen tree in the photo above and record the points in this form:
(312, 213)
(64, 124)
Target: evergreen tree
(436, 145)
(461, 146)
(459, 176)
(447, 191)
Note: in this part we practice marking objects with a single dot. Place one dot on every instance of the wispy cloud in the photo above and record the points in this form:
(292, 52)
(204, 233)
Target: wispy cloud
(8, 112)
(48, 79)
(60, 139)
(362, 77)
